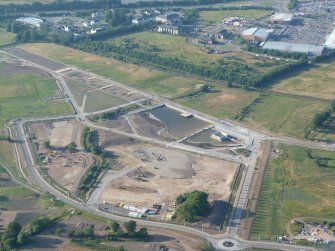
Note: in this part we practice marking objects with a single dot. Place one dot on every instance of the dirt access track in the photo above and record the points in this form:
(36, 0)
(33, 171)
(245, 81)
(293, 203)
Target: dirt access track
(65, 168)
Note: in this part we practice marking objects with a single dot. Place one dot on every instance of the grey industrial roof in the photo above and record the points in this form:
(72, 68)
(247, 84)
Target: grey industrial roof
(286, 17)
(330, 42)
(259, 32)
(30, 20)
(290, 47)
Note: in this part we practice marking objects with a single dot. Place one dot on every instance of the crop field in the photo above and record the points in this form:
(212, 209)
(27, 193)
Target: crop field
(6, 37)
(139, 77)
(284, 115)
(21, 94)
(220, 102)
(316, 82)
(217, 16)
(297, 183)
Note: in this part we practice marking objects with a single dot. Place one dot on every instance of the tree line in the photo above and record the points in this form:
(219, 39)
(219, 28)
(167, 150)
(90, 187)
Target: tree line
(321, 117)
(234, 73)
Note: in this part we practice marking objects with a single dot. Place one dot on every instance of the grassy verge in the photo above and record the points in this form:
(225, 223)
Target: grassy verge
(296, 184)
(284, 115)
(6, 37)
(134, 75)
(217, 16)
(22, 95)
(318, 82)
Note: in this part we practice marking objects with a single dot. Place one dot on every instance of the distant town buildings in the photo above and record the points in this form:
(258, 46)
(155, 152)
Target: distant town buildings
(170, 29)
(169, 18)
(203, 40)
(32, 21)
(141, 20)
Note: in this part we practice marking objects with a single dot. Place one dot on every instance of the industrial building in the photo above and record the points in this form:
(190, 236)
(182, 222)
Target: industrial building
(281, 18)
(255, 34)
(310, 50)
(219, 136)
(330, 42)
(32, 21)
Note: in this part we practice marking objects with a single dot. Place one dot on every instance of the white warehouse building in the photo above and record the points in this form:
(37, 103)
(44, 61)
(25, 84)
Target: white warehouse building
(32, 21)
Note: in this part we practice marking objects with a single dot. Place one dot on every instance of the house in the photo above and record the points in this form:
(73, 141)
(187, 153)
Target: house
(170, 29)
(86, 24)
(141, 20)
(170, 18)
(93, 31)
(203, 40)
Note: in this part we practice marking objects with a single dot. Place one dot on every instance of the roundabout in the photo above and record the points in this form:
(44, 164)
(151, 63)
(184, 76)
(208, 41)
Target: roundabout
(229, 244)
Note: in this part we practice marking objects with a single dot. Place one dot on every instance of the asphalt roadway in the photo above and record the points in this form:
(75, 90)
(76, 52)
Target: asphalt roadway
(253, 138)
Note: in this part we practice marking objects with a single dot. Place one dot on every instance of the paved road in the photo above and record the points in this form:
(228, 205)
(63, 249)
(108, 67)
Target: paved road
(252, 138)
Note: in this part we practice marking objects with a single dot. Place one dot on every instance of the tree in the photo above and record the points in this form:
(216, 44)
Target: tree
(332, 105)
(142, 233)
(12, 231)
(130, 227)
(88, 232)
(47, 144)
(205, 246)
(115, 226)
(195, 205)
(10, 236)
(23, 238)
(72, 147)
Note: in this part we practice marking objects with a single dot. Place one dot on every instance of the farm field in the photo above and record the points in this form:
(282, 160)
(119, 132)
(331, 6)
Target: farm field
(296, 184)
(284, 115)
(20, 84)
(316, 82)
(139, 77)
(6, 37)
(217, 16)
(99, 100)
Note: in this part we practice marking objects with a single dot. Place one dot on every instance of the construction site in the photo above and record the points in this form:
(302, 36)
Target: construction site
(63, 166)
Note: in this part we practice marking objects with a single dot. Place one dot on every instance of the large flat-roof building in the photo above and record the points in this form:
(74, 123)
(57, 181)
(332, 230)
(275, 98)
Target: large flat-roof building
(32, 21)
(330, 42)
(255, 34)
(310, 50)
(281, 18)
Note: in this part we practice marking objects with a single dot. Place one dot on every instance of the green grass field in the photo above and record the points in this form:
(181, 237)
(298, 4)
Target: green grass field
(139, 77)
(177, 47)
(220, 102)
(217, 16)
(6, 37)
(316, 82)
(100, 100)
(22, 95)
(284, 115)
(299, 183)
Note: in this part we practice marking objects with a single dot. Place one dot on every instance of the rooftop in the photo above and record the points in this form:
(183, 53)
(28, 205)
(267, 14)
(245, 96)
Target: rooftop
(330, 42)
(308, 49)
(286, 17)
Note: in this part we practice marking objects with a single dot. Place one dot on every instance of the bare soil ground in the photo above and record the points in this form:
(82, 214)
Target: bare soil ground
(161, 181)
(65, 168)
(119, 123)
(149, 127)
(12, 69)
(6, 217)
